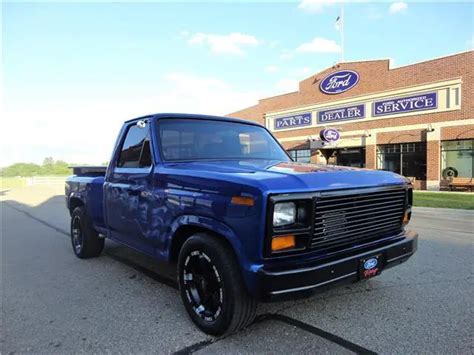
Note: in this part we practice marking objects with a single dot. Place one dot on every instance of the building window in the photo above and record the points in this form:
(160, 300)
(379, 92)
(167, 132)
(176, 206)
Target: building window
(408, 159)
(457, 159)
(301, 155)
(354, 157)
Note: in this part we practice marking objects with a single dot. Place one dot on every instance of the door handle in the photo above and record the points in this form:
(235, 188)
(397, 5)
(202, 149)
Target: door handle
(134, 191)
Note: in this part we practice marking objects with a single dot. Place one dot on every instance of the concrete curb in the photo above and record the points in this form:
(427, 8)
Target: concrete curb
(437, 209)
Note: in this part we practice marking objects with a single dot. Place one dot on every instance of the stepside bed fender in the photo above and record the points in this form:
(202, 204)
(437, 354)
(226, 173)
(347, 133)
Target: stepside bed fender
(90, 198)
(75, 199)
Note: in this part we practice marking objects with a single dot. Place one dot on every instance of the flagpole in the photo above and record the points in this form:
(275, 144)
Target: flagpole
(343, 20)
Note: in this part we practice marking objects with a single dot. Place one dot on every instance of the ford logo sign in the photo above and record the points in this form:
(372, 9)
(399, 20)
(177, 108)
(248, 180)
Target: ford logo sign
(370, 263)
(330, 135)
(339, 82)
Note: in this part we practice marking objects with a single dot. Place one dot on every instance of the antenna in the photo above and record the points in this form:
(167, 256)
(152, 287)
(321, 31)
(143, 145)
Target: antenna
(343, 20)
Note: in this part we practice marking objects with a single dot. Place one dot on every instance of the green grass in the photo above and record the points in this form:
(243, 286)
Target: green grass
(444, 200)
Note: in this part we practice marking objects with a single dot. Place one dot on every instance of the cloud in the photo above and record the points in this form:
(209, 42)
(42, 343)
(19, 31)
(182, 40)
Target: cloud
(49, 122)
(286, 55)
(274, 44)
(315, 6)
(397, 7)
(303, 72)
(319, 45)
(470, 43)
(271, 69)
(232, 43)
(286, 85)
(202, 94)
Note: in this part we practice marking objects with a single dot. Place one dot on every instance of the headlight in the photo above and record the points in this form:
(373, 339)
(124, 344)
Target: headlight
(284, 214)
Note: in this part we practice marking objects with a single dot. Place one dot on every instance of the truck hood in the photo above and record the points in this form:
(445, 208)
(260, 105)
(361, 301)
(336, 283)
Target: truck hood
(277, 176)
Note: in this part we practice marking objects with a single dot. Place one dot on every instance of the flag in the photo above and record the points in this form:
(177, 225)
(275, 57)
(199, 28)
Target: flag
(338, 23)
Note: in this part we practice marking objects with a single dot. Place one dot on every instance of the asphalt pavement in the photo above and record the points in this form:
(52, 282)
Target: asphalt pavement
(123, 302)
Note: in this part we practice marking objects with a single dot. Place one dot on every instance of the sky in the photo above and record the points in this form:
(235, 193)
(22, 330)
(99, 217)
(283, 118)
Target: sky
(73, 72)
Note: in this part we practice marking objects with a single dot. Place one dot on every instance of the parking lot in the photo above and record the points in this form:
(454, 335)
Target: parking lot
(123, 302)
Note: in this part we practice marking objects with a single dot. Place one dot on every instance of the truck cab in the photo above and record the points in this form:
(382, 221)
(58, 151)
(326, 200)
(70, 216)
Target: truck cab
(222, 200)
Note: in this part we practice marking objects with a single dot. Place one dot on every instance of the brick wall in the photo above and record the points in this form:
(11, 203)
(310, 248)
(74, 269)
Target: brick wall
(413, 135)
(295, 145)
(419, 184)
(459, 132)
(252, 113)
(370, 157)
(433, 151)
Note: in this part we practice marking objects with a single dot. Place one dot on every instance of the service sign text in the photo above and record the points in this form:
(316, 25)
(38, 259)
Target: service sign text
(406, 104)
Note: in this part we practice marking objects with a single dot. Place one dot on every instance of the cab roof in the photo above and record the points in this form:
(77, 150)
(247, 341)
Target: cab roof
(159, 116)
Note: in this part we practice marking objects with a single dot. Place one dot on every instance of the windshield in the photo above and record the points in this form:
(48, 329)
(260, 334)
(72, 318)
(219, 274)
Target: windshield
(193, 139)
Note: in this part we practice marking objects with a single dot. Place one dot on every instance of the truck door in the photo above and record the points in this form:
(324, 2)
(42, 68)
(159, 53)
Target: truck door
(128, 191)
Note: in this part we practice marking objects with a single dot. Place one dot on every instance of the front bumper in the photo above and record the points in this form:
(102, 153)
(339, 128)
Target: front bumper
(283, 284)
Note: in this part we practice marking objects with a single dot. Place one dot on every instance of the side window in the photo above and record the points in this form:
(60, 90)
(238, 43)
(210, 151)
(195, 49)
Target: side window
(135, 151)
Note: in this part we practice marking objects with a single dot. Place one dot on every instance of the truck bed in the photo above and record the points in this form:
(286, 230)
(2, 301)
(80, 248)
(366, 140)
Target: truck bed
(89, 170)
(87, 185)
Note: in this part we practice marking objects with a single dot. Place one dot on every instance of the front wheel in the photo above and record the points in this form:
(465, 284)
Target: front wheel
(85, 240)
(211, 286)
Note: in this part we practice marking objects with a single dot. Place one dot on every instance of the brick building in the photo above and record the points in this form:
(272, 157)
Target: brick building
(416, 120)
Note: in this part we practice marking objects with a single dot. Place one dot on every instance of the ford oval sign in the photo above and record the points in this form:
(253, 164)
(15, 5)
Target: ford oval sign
(329, 135)
(370, 264)
(339, 82)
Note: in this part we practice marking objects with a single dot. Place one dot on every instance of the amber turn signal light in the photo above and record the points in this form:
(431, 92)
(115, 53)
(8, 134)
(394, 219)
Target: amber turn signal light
(283, 242)
(406, 217)
(242, 200)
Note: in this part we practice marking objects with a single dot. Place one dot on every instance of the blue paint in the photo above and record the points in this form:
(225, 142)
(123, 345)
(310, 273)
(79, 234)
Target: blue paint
(299, 120)
(144, 208)
(419, 102)
(354, 112)
(339, 82)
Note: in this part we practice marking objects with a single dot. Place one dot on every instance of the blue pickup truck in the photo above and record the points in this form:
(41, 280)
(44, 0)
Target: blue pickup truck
(222, 200)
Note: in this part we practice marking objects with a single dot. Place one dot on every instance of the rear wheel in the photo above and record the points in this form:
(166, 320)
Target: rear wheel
(211, 286)
(85, 240)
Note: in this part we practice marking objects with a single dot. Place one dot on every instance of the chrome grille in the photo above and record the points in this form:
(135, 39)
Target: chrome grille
(353, 216)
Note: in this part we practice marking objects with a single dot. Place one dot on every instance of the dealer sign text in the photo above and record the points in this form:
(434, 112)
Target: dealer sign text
(342, 114)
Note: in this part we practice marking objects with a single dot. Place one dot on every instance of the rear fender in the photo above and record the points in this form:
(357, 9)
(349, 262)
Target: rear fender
(75, 199)
(84, 198)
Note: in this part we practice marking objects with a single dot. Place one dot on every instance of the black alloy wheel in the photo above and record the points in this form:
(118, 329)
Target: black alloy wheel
(203, 286)
(85, 241)
(76, 234)
(212, 287)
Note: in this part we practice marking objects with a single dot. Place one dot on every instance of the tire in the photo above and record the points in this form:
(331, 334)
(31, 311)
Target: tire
(85, 240)
(208, 270)
(450, 172)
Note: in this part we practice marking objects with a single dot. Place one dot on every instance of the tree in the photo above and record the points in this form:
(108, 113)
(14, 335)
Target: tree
(49, 167)
(22, 169)
(48, 161)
